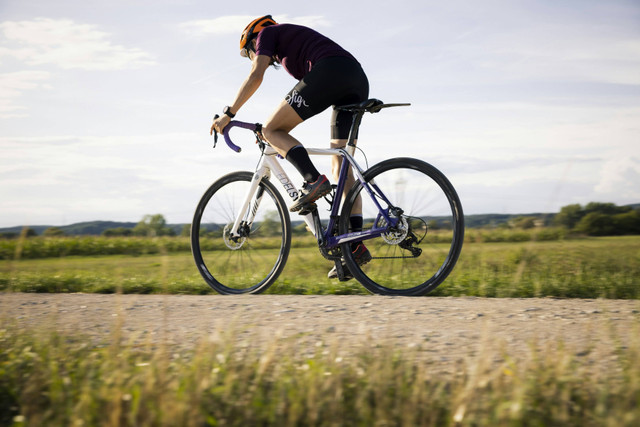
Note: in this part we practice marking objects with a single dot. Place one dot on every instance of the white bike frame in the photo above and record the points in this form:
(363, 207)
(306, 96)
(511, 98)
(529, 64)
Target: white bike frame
(268, 166)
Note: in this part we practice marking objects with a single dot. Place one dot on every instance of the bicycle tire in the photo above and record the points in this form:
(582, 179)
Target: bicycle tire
(432, 213)
(252, 263)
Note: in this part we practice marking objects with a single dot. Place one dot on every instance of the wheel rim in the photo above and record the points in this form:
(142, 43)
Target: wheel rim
(251, 262)
(430, 217)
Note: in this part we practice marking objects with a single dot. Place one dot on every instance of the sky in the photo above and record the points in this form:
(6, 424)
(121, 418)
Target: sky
(105, 107)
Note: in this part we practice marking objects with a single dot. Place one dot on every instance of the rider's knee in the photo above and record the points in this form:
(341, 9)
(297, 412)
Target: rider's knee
(267, 130)
(271, 132)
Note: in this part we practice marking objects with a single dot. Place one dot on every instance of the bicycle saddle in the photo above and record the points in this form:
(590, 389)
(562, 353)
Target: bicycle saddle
(371, 105)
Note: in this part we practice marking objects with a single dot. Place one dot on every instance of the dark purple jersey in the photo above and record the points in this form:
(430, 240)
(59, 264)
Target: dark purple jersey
(296, 47)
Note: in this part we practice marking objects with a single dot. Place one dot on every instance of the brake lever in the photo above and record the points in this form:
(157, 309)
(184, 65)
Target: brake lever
(215, 133)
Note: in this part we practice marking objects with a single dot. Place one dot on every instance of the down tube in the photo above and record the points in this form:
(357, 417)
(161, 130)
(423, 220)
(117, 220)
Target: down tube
(278, 172)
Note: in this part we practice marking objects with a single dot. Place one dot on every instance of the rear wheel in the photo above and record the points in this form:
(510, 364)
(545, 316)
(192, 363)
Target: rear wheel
(416, 255)
(252, 260)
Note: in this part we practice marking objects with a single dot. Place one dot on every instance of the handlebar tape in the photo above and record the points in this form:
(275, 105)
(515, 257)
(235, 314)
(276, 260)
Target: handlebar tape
(232, 124)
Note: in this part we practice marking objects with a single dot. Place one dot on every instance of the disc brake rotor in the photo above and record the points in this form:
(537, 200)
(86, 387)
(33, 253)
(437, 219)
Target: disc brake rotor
(398, 234)
(233, 243)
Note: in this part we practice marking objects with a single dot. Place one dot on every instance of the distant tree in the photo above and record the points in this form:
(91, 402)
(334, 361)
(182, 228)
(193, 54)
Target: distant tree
(524, 222)
(605, 208)
(569, 216)
(418, 224)
(300, 229)
(628, 222)
(596, 224)
(28, 232)
(270, 225)
(432, 225)
(446, 225)
(186, 230)
(600, 219)
(153, 225)
(8, 235)
(53, 232)
(118, 231)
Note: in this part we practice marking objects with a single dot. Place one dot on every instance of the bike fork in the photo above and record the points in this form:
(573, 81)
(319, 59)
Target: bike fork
(249, 209)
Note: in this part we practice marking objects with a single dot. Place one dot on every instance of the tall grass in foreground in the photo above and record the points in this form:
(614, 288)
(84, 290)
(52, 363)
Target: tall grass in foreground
(50, 379)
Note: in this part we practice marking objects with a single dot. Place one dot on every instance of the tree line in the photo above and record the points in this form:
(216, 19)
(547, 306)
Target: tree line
(593, 219)
(149, 226)
(599, 219)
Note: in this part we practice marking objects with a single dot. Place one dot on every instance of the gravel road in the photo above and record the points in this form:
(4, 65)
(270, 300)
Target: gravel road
(441, 330)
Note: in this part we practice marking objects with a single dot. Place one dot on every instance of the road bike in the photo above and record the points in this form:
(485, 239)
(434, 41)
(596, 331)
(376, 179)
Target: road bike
(413, 221)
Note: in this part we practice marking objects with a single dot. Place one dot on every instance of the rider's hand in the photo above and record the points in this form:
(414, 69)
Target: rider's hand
(220, 123)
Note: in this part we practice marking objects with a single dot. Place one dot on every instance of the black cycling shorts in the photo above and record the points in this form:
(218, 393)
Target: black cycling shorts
(332, 81)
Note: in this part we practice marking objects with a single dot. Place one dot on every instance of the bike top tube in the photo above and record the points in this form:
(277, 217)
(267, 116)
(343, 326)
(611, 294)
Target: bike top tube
(370, 105)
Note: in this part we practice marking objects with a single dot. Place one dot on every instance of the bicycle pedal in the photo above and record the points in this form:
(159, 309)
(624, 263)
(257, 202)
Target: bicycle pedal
(307, 209)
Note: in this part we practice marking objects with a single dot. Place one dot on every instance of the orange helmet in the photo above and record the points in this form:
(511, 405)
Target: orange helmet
(252, 30)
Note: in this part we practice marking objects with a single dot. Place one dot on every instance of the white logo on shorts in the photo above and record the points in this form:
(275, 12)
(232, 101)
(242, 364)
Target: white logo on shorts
(295, 99)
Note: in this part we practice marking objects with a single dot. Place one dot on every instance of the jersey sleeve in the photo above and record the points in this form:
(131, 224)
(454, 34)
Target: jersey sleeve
(266, 42)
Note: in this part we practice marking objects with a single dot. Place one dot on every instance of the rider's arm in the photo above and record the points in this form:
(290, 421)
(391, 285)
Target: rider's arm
(252, 83)
(249, 86)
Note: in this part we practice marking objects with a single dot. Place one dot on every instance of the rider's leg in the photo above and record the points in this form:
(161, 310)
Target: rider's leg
(336, 163)
(277, 127)
(276, 131)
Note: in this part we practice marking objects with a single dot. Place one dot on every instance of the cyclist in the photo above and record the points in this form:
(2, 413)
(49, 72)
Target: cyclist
(328, 76)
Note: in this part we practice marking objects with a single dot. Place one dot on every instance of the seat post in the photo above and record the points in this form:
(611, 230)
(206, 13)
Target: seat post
(355, 125)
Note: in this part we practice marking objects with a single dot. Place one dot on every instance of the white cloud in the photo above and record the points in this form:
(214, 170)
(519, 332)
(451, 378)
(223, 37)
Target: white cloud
(313, 21)
(620, 175)
(122, 177)
(68, 45)
(538, 41)
(12, 85)
(234, 24)
(222, 25)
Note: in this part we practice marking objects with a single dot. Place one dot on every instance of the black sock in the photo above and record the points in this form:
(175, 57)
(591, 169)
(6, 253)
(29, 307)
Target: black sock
(356, 222)
(299, 158)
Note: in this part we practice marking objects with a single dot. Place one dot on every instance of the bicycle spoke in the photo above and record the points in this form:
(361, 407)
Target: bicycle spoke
(251, 261)
(430, 229)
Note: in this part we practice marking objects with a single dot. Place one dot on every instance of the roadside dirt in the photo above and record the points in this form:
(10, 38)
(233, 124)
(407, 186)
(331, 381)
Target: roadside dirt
(443, 331)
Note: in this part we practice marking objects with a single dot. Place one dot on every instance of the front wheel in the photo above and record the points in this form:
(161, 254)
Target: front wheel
(418, 253)
(250, 260)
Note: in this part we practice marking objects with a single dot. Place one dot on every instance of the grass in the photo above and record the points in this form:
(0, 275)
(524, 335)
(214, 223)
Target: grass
(47, 378)
(51, 379)
(606, 267)
(52, 247)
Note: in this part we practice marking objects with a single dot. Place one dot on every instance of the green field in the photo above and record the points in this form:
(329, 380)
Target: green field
(52, 379)
(604, 267)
